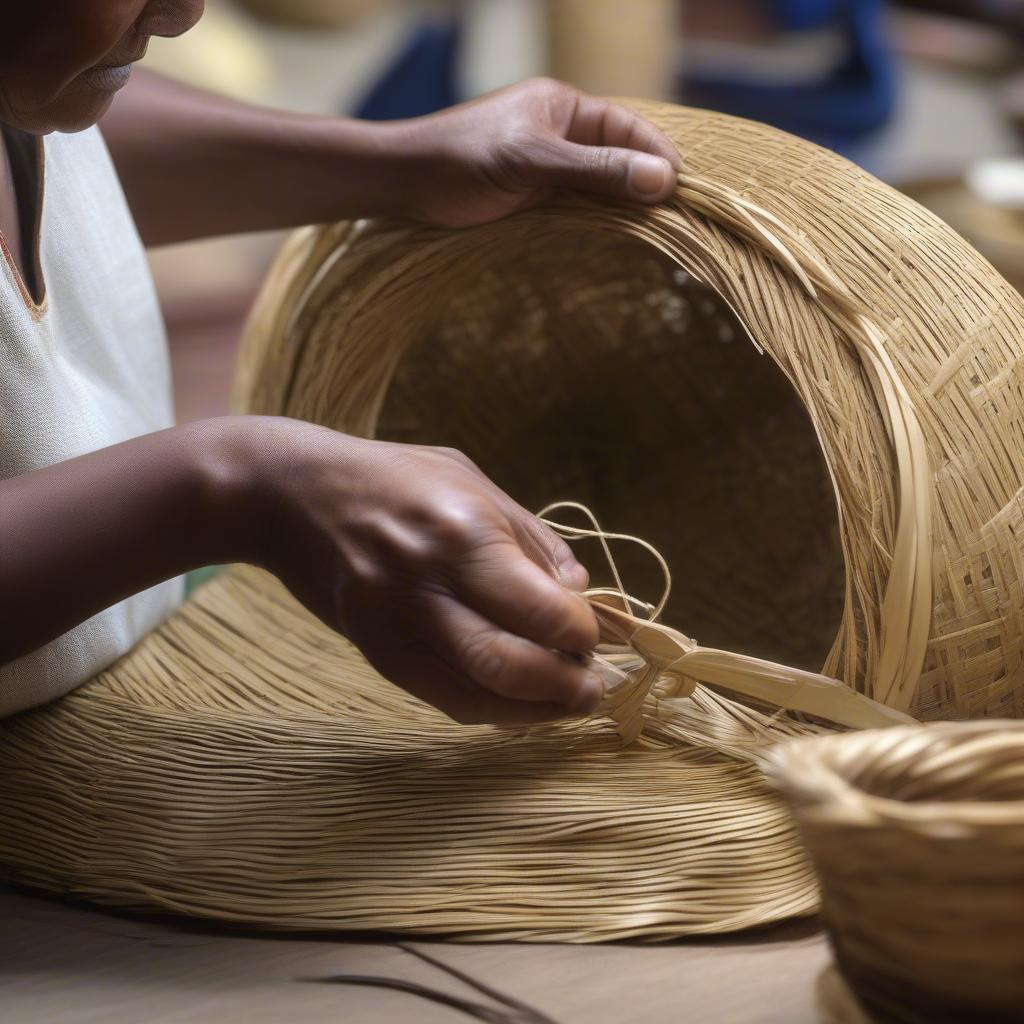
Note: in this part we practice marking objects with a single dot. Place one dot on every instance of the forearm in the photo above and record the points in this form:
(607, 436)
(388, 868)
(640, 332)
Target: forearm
(194, 164)
(82, 535)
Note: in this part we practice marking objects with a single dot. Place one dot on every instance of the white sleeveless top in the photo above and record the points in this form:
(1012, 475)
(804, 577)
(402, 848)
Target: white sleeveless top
(85, 368)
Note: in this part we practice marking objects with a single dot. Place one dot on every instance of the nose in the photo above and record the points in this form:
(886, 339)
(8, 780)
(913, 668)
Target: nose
(169, 17)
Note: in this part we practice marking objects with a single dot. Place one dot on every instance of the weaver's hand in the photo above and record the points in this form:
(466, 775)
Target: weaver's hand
(449, 587)
(507, 151)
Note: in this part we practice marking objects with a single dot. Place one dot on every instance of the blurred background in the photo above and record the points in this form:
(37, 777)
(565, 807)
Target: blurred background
(926, 94)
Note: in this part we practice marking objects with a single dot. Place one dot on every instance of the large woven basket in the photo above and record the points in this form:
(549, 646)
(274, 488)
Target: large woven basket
(918, 839)
(843, 493)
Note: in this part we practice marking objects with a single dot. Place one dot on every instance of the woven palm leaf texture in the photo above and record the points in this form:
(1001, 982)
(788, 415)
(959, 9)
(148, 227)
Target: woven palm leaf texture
(802, 388)
(917, 836)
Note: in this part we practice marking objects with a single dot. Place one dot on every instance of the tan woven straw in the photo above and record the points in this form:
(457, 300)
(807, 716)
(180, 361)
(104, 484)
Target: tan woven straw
(918, 839)
(849, 496)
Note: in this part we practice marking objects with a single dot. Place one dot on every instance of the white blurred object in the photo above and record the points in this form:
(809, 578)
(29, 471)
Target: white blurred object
(503, 42)
(222, 53)
(329, 71)
(998, 181)
(790, 58)
(942, 124)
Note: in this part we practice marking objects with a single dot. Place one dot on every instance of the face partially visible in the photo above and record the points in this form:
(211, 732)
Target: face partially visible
(62, 61)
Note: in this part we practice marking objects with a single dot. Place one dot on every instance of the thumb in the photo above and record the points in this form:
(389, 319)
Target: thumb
(607, 170)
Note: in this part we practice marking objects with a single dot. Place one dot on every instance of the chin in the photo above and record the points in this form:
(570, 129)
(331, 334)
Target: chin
(67, 113)
(78, 117)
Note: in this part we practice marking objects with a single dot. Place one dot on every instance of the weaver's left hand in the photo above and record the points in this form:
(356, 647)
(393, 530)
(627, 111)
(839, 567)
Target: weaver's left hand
(507, 151)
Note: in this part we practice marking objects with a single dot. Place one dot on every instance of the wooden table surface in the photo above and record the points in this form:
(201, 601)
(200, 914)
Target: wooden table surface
(70, 964)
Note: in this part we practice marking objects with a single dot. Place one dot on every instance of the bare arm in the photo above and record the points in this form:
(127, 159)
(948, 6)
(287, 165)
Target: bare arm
(194, 164)
(82, 535)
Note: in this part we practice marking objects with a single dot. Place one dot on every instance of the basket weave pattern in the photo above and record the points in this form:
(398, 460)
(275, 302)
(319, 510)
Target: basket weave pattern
(953, 328)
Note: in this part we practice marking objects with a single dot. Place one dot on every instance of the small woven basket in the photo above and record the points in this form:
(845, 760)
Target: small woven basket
(917, 835)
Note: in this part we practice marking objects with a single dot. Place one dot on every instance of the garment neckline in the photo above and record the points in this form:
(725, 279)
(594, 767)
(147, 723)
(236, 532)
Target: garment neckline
(26, 154)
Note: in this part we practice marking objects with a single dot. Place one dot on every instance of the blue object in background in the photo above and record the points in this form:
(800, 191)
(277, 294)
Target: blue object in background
(804, 14)
(857, 98)
(850, 103)
(422, 78)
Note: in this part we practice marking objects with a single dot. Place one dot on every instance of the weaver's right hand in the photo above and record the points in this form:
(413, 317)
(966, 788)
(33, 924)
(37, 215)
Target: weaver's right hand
(451, 590)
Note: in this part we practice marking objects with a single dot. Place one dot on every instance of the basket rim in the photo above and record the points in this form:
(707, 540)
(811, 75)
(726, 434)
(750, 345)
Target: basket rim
(820, 792)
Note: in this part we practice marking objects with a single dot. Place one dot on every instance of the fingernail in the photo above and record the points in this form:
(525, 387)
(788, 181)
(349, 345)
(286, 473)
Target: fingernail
(649, 176)
(589, 695)
(572, 575)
